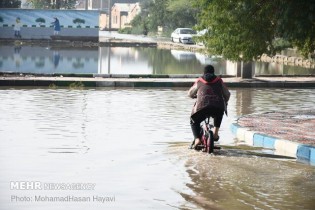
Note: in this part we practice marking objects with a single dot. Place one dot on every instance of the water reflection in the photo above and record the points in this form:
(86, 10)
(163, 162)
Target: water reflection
(262, 68)
(124, 60)
(46, 60)
(102, 60)
(183, 55)
(121, 60)
(56, 58)
(17, 57)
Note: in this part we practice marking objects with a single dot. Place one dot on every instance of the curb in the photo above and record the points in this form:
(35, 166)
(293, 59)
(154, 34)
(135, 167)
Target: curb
(139, 82)
(301, 152)
(94, 83)
(129, 80)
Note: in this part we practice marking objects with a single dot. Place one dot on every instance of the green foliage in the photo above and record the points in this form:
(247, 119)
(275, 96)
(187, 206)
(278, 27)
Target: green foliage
(169, 14)
(58, 4)
(280, 44)
(139, 24)
(245, 29)
(183, 14)
(296, 23)
(232, 31)
(159, 16)
(10, 4)
(68, 4)
(53, 86)
(41, 4)
(76, 85)
(126, 30)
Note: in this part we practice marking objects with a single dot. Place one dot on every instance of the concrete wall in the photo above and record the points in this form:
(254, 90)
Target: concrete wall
(45, 33)
(35, 30)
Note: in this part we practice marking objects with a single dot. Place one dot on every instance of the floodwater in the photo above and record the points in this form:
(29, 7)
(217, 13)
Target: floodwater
(130, 145)
(103, 60)
(123, 60)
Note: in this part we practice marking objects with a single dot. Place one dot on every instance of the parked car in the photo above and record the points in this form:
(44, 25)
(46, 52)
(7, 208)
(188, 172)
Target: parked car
(183, 35)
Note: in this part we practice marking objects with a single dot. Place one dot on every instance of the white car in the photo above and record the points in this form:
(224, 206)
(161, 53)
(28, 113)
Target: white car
(183, 35)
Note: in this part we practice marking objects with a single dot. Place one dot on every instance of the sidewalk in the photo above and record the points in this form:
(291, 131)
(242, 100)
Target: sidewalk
(287, 133)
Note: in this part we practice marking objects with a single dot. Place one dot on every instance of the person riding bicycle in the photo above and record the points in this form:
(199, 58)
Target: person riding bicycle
(212, 98)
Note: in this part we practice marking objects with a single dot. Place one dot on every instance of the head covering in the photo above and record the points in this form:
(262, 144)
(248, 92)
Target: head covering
(208, 73)
(208, 69)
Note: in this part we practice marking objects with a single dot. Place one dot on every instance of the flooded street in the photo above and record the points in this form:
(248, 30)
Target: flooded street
(236, 180)
(131, 146)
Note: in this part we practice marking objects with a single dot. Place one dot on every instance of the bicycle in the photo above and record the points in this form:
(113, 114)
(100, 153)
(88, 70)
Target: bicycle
(207, 139)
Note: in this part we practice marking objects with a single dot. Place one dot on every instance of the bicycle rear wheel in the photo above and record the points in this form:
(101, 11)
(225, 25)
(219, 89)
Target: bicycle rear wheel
(210, 143)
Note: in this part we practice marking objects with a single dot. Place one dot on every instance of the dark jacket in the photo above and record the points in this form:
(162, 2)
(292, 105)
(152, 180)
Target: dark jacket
(56, 25)
(210, 92)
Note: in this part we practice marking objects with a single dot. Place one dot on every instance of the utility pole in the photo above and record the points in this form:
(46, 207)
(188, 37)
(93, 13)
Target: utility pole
(110, 15)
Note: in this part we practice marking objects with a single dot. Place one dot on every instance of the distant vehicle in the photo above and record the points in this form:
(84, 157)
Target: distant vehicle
(183, 35)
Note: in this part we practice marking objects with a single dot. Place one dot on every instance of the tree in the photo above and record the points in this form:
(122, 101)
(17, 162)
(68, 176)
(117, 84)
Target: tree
(10, 4)
(68, 4)
(140, 23)
(78, 21)
(159, 16)
(56, 4)
(296, 23)
(169, 14)
(183, 14)
(245, 29)
(41, 4)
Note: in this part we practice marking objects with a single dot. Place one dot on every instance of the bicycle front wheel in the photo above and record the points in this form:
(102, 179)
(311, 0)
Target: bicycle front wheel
(210, 143)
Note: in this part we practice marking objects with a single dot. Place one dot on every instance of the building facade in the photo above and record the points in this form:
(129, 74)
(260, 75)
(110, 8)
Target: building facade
(123, 14)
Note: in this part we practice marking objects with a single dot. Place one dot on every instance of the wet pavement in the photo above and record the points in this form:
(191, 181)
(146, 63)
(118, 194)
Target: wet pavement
(288, 133)
(66, 136)
(293, 126)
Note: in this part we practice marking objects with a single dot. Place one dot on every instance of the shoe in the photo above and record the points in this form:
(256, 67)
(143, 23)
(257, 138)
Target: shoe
(217, 139)
(196, 147)
(192, 146)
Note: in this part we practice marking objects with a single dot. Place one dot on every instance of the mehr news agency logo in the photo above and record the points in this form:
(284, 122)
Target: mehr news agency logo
(37, 185)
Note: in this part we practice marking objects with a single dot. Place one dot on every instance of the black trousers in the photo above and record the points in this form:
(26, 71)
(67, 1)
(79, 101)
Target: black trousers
(198, 117)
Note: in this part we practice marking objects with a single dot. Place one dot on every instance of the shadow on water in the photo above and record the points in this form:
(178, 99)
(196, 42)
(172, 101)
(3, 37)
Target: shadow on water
(236, 151)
